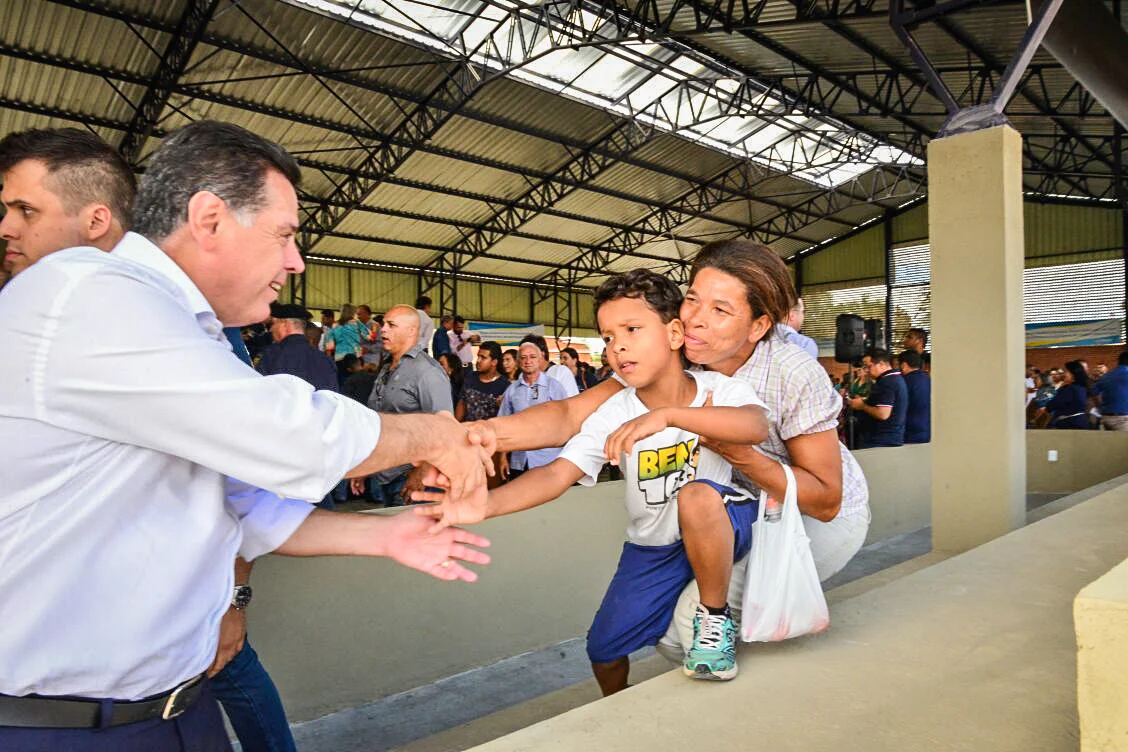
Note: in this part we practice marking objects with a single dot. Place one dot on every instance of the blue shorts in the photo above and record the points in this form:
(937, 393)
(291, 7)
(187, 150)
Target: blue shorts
(642, 596)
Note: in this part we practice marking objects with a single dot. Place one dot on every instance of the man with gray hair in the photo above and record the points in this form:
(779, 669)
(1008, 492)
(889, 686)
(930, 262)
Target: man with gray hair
(409, 381)
(151, 421)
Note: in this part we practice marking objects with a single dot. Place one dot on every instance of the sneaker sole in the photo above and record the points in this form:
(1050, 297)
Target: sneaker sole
(701, 671)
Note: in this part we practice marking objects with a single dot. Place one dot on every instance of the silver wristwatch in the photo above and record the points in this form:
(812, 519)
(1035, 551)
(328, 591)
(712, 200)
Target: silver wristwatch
(241, 597)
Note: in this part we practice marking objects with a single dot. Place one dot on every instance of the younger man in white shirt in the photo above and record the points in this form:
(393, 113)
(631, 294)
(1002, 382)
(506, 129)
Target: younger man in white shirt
(686, 522)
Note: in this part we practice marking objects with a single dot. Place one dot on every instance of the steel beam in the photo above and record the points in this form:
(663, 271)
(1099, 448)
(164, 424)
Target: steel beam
(193, 21)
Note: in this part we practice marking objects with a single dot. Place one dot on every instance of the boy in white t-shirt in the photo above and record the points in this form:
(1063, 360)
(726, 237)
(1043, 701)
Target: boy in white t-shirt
(686, 522)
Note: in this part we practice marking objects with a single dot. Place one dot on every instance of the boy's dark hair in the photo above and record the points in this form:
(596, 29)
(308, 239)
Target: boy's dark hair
(493, 348)
(659, 293)
(422, 301)
(82, 168)
(912, 359)
(880, 356)
(207, 155)
(539, 341)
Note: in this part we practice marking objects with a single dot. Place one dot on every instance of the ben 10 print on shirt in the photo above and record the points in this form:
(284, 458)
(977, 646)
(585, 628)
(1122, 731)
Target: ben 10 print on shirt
(661, 472)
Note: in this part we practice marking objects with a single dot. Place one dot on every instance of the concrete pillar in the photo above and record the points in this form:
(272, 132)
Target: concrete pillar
(978, 422)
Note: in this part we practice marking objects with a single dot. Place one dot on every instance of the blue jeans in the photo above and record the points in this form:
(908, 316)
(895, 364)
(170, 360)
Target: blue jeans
(252, 704)
(388, 493)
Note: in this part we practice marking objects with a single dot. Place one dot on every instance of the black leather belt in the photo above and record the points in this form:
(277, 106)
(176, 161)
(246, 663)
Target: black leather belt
(59, 712)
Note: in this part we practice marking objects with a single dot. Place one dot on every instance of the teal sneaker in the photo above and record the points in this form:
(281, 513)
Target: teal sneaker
(713, 654)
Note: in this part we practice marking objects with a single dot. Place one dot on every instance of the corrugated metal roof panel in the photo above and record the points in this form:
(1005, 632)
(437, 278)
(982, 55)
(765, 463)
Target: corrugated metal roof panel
(73, 92)
(234, 75)
(911, 225)
(504, 303)
(330, 42)
(71, 34)
(599, 206)
(506, 268)
(535, 251)
(678, 155)
(566, 230)
(1052, 229)
(404, 198)
(372, 224)
(659, 189)
(860, 256)
(430, 168)
(369, 251)
(527, 105)
(493, 142)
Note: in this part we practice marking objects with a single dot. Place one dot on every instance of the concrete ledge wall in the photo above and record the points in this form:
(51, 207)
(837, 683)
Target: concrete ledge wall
(900, 484)
(1100, 617)
(336, 633)
(1085, 458)
(974, 653)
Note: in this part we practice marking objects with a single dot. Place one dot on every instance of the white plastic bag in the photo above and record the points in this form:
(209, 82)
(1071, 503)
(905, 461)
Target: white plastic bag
(782, 594)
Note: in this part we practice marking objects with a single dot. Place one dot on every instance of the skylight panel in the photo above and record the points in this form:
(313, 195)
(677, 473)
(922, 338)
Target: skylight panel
(662, 84)
(611, 77)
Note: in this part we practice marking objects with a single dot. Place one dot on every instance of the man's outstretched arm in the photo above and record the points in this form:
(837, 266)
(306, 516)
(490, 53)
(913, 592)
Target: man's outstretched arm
(404, 538)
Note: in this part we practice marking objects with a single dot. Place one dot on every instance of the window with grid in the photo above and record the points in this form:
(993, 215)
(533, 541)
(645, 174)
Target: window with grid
(911, 290)
(825, 302)
(1091, 291)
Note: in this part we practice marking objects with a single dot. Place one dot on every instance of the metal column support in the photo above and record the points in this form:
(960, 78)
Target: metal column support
(171, 67)
(1122, 199)
(887, 229)
(985, 115)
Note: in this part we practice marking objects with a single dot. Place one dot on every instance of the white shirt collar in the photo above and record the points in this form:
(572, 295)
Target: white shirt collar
(140, 250)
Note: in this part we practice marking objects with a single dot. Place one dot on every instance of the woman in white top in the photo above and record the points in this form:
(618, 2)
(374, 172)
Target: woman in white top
(738, 292)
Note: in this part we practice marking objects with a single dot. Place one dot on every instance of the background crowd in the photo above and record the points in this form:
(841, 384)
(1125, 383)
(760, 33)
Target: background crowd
(401, 362)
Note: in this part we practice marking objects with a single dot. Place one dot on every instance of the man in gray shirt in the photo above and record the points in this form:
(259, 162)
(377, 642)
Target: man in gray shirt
(409, 381)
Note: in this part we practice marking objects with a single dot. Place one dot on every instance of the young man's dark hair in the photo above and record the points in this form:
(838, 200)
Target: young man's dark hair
(880, 356)
(494, 349)
(922, 334)
(83, 168)
(423, 301)
(912, 359)
(206, 155)
(328, 312)
(458, 320)
(539, 341)
(659, 293)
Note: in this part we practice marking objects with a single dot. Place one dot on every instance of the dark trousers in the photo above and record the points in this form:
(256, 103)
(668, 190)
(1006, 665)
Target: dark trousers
(199, 729)
(251, 702)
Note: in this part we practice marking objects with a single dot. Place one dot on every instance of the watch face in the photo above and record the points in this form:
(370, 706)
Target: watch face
(242, 596)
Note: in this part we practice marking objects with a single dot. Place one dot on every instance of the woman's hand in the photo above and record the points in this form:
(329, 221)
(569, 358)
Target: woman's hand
(622, 441)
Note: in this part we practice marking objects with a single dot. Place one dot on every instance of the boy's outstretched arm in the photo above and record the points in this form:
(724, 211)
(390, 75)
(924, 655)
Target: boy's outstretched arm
(531, 489)
(747, 424)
